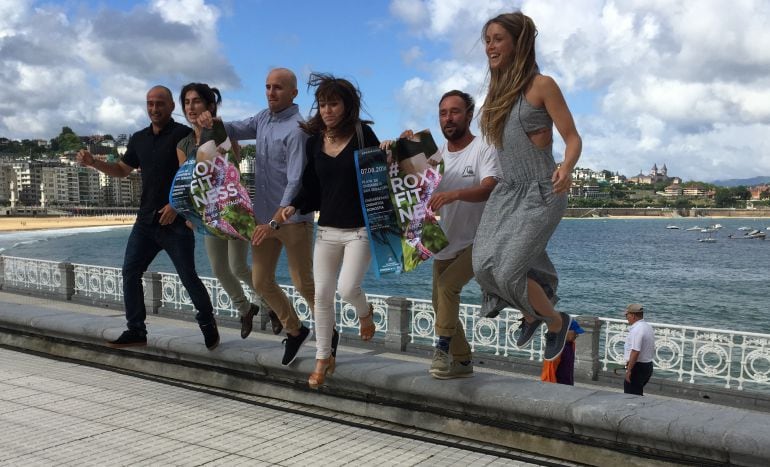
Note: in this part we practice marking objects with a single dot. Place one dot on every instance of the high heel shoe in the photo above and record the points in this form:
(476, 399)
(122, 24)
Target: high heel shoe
(367, 330)
(317, 378)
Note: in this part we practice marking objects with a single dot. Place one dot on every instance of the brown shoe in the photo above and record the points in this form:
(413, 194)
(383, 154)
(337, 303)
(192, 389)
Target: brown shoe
(275, 323)
(247, 321)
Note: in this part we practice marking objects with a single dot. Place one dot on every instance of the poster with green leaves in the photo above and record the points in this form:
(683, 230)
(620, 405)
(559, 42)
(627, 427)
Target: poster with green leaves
(414, 177)
(207, 190)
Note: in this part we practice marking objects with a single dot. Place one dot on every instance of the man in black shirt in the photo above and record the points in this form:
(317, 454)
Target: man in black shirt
(157, 226)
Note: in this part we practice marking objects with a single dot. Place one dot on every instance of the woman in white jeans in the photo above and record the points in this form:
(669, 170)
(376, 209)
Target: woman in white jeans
(330, 185)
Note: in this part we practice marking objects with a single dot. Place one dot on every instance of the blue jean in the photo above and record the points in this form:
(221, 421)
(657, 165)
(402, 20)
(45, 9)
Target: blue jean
(144, 244)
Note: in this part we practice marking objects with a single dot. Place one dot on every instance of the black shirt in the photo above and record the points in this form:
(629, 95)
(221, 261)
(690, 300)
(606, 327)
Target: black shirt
(330, 184)
(155, 156)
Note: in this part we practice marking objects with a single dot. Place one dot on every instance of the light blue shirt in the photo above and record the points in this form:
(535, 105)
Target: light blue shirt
(279, 160)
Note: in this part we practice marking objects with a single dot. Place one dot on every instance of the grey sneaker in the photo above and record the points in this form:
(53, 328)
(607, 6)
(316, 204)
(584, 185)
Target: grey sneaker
(554, 341)
(456, 370)
(527, 331)
(441, 362)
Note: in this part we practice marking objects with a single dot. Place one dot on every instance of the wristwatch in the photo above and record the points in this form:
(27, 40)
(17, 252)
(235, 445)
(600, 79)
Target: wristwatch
(274, 224)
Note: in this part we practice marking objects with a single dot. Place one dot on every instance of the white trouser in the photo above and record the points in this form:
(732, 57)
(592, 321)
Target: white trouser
(343, 251)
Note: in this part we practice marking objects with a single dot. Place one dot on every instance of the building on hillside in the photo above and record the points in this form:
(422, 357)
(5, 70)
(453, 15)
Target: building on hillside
(656, 175)
(121, 191)
(29, 180)
(7, 177)
(90, 190)
(246, 167)
(587, 191)
(757, 191)
(61, 185)
(697, 191)
(673, 191)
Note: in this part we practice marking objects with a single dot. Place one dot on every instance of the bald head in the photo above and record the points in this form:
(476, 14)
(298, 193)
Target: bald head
(160, 104)
(280, 89)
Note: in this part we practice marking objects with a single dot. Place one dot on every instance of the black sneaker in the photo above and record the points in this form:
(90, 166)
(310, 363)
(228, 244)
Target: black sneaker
(275, 323)
(292, 345)
(129, 338)
(210, 335)
(247, 320)
(335, 342)
(527, 331)
(554, 341)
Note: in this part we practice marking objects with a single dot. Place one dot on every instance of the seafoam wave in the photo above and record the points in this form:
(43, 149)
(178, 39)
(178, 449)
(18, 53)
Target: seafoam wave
(14, 239)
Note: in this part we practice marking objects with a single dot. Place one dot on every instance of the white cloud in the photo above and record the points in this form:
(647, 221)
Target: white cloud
(681, 83)
(90, 70)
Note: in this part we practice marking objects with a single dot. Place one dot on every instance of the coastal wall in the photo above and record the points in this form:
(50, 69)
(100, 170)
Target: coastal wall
(665, 212)
(689, 362)
(584, 424)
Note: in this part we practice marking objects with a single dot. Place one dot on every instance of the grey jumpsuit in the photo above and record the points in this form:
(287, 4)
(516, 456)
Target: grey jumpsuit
(519, 218)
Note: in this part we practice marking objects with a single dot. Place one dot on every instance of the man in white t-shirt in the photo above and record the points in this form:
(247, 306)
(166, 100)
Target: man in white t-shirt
(471, 171)
(638, 350)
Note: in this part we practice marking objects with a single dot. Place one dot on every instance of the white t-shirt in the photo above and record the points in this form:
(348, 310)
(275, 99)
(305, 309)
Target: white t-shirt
(640, 337)
(464, 169)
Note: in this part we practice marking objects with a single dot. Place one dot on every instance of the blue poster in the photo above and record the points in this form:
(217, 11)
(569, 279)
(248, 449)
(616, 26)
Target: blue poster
(385, 234)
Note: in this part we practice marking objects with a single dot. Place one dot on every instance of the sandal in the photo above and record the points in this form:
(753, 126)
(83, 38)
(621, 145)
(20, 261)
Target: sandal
(367, 330)
(317, 378)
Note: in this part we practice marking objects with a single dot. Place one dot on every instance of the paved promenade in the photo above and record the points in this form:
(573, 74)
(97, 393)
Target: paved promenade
(55, 412)
(582, 424)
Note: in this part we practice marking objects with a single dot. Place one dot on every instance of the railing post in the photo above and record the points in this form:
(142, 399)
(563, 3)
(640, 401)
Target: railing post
(587, 363)
(2, 271)
(397, 336)
(67, 287)
(153, 291)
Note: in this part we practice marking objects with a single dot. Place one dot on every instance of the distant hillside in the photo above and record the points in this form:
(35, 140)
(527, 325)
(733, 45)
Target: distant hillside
(742, 181)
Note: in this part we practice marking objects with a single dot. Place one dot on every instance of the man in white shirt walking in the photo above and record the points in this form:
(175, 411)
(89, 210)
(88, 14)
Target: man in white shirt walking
(471, 170)
(638, 350)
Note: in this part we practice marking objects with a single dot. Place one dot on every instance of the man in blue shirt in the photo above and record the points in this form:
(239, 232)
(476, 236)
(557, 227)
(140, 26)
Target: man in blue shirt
(157, 227)
(278, 164)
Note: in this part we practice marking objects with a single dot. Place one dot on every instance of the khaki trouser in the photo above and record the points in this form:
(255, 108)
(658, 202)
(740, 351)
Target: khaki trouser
(449, 278)
(228, 263)
(298, 241)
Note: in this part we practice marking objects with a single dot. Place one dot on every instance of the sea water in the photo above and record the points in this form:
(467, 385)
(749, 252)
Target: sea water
(603, 265)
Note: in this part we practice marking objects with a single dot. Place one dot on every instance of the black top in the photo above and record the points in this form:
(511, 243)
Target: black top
(330, 184)
(155, 155)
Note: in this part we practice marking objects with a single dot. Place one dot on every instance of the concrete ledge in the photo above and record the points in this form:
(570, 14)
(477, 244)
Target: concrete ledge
(579, 424)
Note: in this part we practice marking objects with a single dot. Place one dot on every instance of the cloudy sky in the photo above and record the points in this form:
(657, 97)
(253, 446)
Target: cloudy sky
(681, 83)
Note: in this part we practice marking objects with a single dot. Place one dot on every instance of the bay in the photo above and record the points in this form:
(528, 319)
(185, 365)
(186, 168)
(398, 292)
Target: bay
(603, 265)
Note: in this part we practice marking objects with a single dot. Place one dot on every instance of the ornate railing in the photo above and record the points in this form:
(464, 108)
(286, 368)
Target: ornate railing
(34, 274)
(688, 354)
(699, 355)
(495, 336)
(98, 282)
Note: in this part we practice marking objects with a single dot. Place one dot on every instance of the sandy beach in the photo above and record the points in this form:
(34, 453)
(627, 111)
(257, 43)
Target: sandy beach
(8, 224)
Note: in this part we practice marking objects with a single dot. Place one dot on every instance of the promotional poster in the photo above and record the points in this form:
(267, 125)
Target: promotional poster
(207, 189)
(403, 231)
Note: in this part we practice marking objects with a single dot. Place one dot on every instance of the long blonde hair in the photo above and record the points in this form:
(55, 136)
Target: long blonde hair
(508, 82)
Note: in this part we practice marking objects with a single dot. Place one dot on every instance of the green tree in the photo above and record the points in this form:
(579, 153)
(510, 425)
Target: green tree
(724, 198)
(248, 151)
(68, 140)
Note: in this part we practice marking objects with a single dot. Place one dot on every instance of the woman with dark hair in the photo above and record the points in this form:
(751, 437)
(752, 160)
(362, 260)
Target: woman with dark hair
(330, 185)
(509, 256)
(227, 257)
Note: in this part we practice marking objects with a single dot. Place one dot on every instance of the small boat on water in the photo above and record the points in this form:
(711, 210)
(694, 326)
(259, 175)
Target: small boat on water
(755, 234)
(707, 240)
(672, 227)
(708, 230)
(694, 228)
(744, 228)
